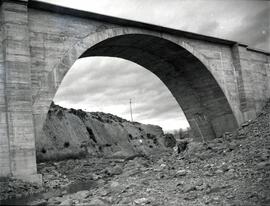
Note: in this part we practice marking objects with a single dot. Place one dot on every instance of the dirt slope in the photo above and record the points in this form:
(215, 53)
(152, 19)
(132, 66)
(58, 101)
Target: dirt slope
(69, 133)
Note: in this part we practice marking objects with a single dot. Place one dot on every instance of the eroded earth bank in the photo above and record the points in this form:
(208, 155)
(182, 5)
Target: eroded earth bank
(116, 162)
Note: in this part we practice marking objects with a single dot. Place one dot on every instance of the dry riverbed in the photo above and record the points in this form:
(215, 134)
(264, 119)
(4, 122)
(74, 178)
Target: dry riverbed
(232, 170)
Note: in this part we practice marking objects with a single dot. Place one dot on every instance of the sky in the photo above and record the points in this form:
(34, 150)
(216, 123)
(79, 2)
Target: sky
(100, 89)
(106, 84)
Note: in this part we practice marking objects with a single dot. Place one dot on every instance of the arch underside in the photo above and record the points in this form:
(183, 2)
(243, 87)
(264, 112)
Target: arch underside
(190, 82)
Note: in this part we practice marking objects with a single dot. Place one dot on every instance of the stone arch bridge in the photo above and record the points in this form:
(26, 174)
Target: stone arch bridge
(218, 83)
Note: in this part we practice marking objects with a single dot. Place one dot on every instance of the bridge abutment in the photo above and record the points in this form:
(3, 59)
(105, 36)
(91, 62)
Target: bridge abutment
(18, 155)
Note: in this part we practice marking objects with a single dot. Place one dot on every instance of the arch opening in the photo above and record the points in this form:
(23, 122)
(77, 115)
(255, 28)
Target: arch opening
(108, 84)
(188, 79)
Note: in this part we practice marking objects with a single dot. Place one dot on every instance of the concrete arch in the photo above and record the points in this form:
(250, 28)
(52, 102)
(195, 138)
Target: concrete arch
(183, 70)
(35, 57)
(71, 55)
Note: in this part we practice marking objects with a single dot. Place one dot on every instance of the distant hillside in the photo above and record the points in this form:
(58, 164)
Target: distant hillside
(70, 133)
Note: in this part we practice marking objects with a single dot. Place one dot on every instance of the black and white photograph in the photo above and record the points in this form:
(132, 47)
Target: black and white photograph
(135, 102)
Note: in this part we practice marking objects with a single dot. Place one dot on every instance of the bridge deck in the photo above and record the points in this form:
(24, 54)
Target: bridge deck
(125, 22)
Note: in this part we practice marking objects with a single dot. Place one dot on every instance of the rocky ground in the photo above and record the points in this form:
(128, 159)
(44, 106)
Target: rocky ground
(232, 170)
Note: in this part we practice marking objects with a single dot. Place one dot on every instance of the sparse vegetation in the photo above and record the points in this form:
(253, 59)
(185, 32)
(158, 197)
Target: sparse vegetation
(66, 144)
(153, 138)
(60, 114)
(130, 136)
(169, 140)
(43, 150)
(79, 113)
(182, 133)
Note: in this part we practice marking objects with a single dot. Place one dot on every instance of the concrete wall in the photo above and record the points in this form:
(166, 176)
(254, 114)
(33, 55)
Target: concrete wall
(4, 140)
(18, 142)
(38, 48)
(255, 69)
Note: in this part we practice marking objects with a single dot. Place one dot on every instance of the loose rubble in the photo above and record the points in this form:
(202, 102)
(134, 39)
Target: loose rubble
(231, 170)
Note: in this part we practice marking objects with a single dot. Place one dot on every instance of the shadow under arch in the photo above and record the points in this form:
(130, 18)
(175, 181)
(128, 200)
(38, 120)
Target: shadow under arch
(190, 82)
(186, 76)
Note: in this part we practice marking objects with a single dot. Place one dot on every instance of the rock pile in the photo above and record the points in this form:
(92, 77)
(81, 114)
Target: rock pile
(10, 188)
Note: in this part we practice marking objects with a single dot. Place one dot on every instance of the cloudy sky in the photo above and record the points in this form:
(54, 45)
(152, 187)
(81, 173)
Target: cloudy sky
(100, 89)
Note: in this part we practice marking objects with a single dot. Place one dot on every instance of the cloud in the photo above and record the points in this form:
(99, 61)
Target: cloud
(208, 28)
(106, 84)
(254, 30)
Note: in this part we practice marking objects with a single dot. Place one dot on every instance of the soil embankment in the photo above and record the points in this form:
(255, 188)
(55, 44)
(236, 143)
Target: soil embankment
(70, 133)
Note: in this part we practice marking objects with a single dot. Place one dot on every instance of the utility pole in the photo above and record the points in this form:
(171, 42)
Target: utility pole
(130, 110)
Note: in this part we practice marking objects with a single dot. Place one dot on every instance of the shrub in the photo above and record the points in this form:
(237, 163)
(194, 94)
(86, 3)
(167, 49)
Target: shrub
(43, 150)
(66, 144)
